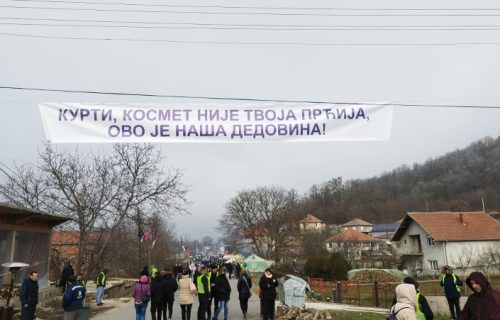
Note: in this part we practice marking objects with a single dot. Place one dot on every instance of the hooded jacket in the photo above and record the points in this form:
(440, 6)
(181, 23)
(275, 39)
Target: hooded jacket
(406, 302)
(484, 305)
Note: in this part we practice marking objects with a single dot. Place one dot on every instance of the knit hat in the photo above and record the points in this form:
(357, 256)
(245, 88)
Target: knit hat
(144, 279)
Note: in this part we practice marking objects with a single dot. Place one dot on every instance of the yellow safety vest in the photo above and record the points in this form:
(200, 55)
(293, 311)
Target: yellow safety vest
(103, 282)
(200, 287)
(419, 313)
(454, 280)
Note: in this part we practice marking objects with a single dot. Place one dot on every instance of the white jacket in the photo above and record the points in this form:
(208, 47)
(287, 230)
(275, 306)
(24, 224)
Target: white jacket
(406, 302)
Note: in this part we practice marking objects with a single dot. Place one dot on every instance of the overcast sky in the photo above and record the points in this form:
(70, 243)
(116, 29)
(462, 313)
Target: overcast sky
(422, 74)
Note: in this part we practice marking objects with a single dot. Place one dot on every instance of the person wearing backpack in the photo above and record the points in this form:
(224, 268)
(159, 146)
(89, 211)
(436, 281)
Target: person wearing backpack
(405, 307)
(142, 295)
(423, 309)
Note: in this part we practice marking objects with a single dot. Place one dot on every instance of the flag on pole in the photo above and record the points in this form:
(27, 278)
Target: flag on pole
(154, 242)
(147, 235)
(183, 246)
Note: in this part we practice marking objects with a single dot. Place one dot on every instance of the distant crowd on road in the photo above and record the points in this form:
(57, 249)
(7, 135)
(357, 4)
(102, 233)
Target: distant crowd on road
(206, 280)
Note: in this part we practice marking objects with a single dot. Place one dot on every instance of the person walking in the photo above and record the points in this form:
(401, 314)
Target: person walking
(67, 272)
(187, 290)
(406, 305)
(484, 302)
(141, 295)
(451, 284)
(268, 284)
(213, 274)
(73, 299)
(203, 288)
(171, 287)
(158, 289)
(223, 289)
(29, 296)
(100, 284)
(244, 285)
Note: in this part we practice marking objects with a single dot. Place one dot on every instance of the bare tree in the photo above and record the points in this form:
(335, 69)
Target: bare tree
(261, 215)
(98, 192)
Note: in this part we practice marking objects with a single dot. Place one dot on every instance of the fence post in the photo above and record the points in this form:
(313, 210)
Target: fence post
(339, 292)
(375, 293)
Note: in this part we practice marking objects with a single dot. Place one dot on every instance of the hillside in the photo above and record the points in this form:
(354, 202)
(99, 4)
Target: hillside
(456, 181)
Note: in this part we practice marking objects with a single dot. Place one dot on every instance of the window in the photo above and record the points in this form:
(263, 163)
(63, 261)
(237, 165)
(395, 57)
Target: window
(405, 241)
(430, 241)
(433, 264)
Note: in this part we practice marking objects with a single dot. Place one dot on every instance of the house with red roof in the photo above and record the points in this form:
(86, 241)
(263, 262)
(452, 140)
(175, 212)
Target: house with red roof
(311, 223)
(427, 241)
(361, 250)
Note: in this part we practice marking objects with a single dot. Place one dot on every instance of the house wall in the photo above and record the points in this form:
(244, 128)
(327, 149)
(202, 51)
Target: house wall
(438, 254)
(312, 226)
(364, 229)
(466, 254)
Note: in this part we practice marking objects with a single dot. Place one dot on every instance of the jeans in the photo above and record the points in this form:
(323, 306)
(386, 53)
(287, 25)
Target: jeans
(140, 311)
(222, 304)
(100, 292)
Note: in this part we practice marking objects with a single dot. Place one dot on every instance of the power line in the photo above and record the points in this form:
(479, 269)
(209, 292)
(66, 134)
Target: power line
(255, 28)
(256, 25)
(257, 7)
(150, 95)
(250, 13)
(324, 44)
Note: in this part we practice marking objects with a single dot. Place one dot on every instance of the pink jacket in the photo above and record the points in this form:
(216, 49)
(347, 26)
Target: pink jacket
(140, 289)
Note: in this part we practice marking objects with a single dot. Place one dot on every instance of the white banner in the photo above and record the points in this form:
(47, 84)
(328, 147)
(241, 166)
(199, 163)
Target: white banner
(222, 123)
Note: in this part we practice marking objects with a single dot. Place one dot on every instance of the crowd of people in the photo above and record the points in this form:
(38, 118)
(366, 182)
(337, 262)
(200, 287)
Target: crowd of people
(482, 304)
(209, 283)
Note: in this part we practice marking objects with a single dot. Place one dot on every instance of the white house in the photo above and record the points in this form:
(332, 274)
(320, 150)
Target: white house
(360, 249)
(358, 225)
(427, 241)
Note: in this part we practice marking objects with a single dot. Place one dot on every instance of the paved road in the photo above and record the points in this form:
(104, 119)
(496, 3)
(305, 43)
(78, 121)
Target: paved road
(126, 311)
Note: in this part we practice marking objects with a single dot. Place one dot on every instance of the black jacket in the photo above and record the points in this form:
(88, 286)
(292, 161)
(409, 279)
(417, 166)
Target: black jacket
(268, 287)
(244, 285)
(29, 292)
(222, 288)
(423, 305)
(67, 272)
(171, 286)
(158, 285)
